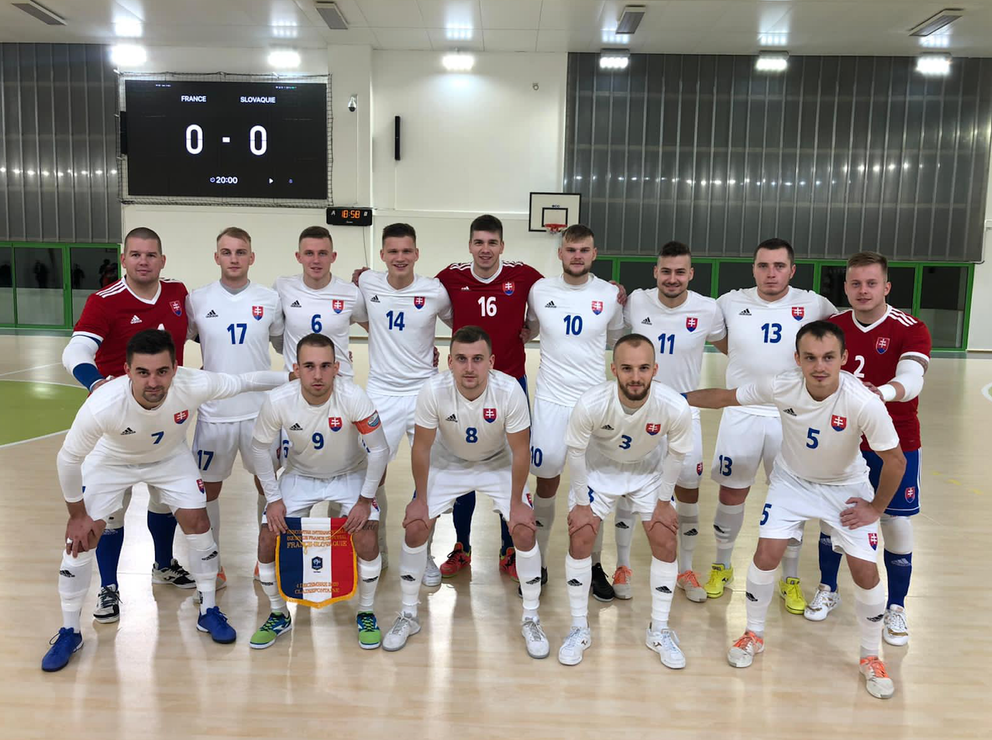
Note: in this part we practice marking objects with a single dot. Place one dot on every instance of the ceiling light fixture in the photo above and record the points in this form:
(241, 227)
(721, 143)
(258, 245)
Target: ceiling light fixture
(331, 15)
(128, 28)
(128, 55)
(459, 33)
(630, 18)
(284, 59)
(614, 59)
(772, 61)
(934, 64)
(39, 11)
(936, 22)
(458, 62)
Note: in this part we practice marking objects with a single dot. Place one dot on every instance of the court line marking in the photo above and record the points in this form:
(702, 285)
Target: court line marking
(43, 382)
(33, 439)
(29, 369)
(987, 392)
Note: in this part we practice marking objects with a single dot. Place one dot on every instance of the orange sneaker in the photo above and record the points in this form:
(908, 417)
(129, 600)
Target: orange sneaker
(742, 652)
(256, 572)
(221, 579)
(508, 563)
(621, 582)
(877, 681)
(689, 582)
(457, 559)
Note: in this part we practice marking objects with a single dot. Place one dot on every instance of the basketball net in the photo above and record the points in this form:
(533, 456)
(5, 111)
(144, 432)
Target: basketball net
(554, 228)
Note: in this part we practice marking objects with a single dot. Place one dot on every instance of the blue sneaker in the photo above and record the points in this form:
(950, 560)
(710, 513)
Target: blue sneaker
(63, 645)
(215, 622)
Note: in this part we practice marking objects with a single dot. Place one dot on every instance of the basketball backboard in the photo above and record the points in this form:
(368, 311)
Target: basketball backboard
(559, 209)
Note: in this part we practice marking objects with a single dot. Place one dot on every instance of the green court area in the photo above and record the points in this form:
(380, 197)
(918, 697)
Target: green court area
(34, 409)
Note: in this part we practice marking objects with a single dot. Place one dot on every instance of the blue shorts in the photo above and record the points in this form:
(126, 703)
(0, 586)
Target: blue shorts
(906, 502)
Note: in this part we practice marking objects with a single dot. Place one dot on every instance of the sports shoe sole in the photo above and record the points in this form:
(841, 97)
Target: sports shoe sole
(219, 642)
(820, 614)
(109, 619)
(159, 581)
(254, 646)
(897, 641)
(363, 646)
(571, 661)
(396, 649)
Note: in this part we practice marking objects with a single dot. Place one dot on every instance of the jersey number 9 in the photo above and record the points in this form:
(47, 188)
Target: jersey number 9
(318, 441)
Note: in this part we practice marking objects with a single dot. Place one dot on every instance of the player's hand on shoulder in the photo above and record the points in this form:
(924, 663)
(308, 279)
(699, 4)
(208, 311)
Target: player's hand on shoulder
(358, 515)
(98, 383)
(621, 293)
(859, 514)
(665, 515)
(275, 515)
(873, 389)
(582, 516)
(357, 273)
(80, 535)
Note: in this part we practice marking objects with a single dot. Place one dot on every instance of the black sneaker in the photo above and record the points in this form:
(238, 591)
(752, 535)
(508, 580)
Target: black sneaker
(107, 605)
(174, 573)
(601, 588)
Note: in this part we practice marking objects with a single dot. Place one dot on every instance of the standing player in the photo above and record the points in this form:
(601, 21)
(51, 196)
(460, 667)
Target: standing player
(762, 323)
(403, 309)
(132, 430)
(578, 316)
(138, 301)
(316, 302)
(481, 422)
(679, 322)
(234, 320)
(616, 449)
(889, 351)
(820, 474)
(337, 453)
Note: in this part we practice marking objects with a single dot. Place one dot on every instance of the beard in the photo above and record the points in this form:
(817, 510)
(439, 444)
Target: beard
(635, 397)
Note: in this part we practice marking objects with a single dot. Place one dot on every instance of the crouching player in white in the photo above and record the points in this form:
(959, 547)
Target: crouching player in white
(480, 419)
(337, 453)
(133, 430)
(616, 450)
(820, 474)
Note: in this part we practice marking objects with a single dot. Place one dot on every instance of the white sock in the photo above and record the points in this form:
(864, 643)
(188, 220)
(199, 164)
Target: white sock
(380, 499)
(203, 567)
(623, 532)
(213, 514)
(529, 573)
(663, 576)
(267, 577)
(760, 587)
(368, 579)
(413, 563)
(869, 605)
(790, 561)
(544, 515)
(578, 576)
(597, 546)
(260, 505)
(75, 574)
(727, 525)
(688, 532)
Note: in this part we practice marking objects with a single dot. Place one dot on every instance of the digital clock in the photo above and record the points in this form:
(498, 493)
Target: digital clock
(357, 216)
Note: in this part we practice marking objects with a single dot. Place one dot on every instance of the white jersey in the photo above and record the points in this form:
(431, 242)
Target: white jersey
(575, 321)
(111, 423)
(762, 334)
(472, 431)
(679, 334)
(325, 440)
(329, 311)
(821, 440)
(234, 331)
(600, 425)
(402, 326)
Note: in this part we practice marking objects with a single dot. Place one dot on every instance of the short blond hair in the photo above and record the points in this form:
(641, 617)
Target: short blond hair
(235, 233)
(866, 259)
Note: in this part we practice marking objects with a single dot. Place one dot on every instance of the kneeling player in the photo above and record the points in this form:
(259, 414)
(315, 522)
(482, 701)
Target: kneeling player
(616, 445)
(330, 423)
(481, 421)
(133, 430)
(820, 474)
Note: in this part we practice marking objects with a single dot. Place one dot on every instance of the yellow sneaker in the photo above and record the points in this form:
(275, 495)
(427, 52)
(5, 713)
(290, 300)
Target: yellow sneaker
(792, 592)
(719, 577)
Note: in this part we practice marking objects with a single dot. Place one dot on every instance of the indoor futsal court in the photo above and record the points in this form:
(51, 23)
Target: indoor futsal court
(726, 128)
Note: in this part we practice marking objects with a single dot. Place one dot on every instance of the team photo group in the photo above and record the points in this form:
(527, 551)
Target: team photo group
(824, 400)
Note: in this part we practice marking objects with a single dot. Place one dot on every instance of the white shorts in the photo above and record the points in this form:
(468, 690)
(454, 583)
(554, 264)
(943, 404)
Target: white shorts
(638, 492)
(792, 502)
(547, 438)
(175, 481)
(744, 442)
(445, 484)
(216, 444)
(397, 414)
(300, 493)
(692, 466)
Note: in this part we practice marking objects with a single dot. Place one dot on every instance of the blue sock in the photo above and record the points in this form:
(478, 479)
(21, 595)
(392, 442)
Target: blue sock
(108, 555)
(899, 569)
(462, 516)
(163, 529)
(829, 562)
(504, 532)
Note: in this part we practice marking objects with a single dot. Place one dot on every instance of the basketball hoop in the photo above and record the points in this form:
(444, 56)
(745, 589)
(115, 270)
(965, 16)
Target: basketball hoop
(554, 228)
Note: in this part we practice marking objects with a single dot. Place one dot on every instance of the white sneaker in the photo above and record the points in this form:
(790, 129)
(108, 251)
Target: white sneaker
(621, 583)
(432, 575)
(666, 643)
(742, 652)
(896, 630)
(877, 681)
(404, 626)
(537, 642)
(578, 641)
(824, 601)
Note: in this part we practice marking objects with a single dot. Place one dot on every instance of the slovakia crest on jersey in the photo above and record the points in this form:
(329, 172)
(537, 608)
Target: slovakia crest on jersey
(334, 422)
(489, 415)
(839, 423)
(699, 468)
(691, 322)
(257, 312)
(177, 307)
(873, 540)
(652, 429)
(338, 306)
(181, 416)
(597, 307)
(882, 345)
(508, 287)
(910, 493)
(419, 301)
(199, 484)
(798, 312)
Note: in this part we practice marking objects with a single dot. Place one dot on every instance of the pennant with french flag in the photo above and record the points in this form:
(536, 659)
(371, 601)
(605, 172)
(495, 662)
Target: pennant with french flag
(315, 562)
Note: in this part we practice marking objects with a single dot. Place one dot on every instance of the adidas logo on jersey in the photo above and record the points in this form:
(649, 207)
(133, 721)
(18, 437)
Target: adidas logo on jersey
(296, 428)
(135, 320)
(550, 304)
(129, 430)
(607, 427)
(745, 312)
(452, 418)
(790, 412)
(374, 299)
(295, 304)
(211, 314)
(647, 321)
(465, 287)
